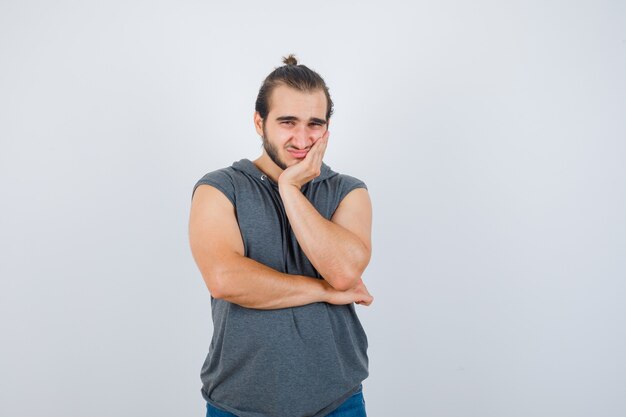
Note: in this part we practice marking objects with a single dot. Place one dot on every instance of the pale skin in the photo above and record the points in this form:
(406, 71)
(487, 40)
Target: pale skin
(339, 248)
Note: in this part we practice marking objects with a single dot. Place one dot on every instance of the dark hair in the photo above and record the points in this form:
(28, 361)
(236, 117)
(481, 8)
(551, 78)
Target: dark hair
(295, 76)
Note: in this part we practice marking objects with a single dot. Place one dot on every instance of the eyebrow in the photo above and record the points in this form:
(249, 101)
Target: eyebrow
(295, 119)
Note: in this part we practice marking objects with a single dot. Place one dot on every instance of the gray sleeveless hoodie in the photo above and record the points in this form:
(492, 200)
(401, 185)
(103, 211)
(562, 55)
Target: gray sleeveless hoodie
(291, 362)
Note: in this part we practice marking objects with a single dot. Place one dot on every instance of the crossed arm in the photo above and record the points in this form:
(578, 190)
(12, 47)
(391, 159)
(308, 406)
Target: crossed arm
(338, 249)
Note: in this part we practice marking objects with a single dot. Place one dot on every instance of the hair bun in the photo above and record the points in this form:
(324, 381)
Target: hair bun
(290, 60)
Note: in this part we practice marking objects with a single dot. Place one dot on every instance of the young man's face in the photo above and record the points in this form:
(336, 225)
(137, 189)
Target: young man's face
(295, 121)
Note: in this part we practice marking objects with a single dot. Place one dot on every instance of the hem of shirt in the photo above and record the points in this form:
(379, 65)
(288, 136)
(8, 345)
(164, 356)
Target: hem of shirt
(219, 406)
(323, 412)
(336, 404)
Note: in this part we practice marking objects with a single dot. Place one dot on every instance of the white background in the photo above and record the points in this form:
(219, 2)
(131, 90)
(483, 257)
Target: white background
(491, 135)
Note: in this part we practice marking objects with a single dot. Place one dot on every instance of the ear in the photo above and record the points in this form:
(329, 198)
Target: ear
(258, 123)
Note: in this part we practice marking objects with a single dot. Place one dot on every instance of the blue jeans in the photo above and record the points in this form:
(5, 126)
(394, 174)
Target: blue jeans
(352, 407)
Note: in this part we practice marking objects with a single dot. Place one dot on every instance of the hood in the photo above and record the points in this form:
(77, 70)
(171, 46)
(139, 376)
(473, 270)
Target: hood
(247, 167)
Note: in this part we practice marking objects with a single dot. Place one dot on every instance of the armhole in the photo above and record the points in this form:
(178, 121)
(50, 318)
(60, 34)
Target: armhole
(349, 189)
(350, 184)
(217, 185)
(230, 194)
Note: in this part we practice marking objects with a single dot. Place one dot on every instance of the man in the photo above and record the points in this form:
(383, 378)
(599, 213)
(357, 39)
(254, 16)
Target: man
(282, 242)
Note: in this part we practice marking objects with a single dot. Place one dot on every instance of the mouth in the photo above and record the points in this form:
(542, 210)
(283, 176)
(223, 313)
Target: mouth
(298, 154)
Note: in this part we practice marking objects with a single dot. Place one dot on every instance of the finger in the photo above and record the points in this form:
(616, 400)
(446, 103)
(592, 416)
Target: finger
(324, 142)
(314, 156)
(318, 151)
(314, 149)
(320, 154)
(324, 137)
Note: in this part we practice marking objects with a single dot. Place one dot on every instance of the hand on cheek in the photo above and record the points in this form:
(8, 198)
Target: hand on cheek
(308, 168)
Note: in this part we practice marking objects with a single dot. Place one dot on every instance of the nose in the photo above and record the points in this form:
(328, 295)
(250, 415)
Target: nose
(303, 138)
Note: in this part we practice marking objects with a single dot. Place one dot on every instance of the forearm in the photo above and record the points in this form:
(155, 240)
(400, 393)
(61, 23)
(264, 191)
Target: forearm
(335, 252)
(254, 285)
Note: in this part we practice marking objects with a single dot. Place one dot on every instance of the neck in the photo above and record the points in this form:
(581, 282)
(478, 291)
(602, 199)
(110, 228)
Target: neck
(268, 167)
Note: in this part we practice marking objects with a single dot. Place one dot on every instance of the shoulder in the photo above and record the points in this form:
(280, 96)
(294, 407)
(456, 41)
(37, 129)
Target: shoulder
(334, 189)
(224, 179)
(222, 174)
(350, 181)
(345, 183)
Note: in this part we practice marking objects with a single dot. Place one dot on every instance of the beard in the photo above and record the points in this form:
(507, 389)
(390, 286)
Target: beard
(272, 151)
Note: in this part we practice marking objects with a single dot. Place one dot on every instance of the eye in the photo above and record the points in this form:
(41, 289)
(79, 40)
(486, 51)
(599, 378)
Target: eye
(289, 122)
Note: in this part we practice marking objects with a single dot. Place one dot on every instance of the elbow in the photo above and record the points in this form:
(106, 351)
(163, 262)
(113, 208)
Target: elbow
(215, 293)
(350, 279)
(345, 285)
(346, 282)
(214, 290)
(221, 281)
(215, 286)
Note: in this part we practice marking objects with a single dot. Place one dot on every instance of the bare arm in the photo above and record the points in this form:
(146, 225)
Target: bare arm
(217, 248)
(339, 248)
